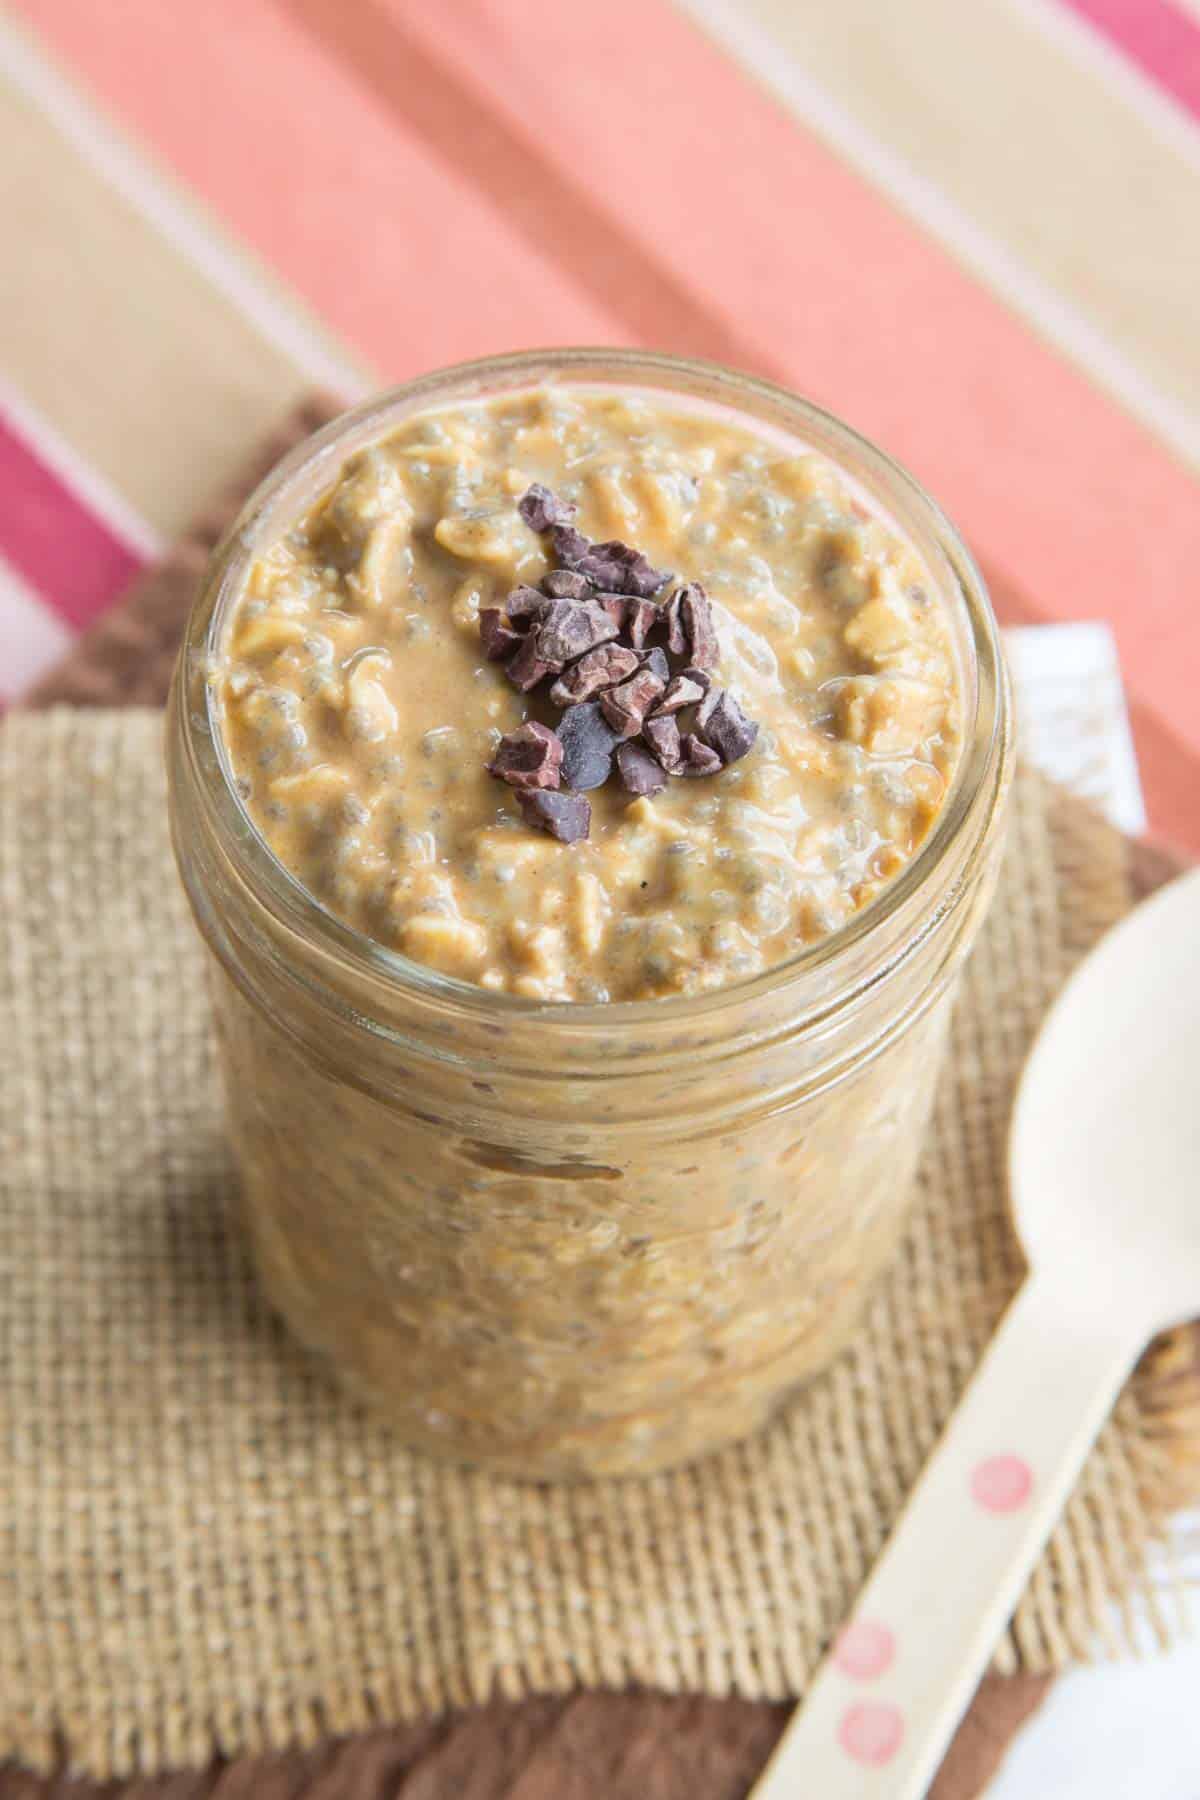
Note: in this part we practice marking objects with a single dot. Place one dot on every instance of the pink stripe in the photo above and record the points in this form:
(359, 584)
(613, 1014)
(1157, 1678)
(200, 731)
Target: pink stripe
(1160, 37)
(54, 541)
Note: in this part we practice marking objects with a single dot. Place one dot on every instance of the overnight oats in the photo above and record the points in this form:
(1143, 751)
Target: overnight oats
(587, 772)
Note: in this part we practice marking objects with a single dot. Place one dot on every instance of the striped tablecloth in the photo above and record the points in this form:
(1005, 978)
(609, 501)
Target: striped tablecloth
(972, 230)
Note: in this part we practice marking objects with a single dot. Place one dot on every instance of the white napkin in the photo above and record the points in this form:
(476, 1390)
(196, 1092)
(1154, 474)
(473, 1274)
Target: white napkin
(1072, 716)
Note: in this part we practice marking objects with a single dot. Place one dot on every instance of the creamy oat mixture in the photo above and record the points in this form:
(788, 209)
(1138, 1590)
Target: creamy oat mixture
(359, 710)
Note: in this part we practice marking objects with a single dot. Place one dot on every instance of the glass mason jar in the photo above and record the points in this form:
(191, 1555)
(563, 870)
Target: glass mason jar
(567, 1240)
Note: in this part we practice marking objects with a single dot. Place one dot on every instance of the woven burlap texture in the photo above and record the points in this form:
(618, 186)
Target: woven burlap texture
(203, 1545)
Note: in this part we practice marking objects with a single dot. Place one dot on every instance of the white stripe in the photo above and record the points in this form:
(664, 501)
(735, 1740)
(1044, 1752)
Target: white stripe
(174, 215)
(86, 483)
(1086, 44)
(1057, 320)
(32, 636)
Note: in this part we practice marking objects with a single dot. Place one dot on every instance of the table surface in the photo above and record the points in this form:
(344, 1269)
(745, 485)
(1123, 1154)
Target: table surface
(217, 208)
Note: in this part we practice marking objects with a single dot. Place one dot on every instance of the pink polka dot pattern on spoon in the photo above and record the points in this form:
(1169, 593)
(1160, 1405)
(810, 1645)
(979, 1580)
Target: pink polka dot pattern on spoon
(871, 1733)
(1001, 1484)
(864, 1650)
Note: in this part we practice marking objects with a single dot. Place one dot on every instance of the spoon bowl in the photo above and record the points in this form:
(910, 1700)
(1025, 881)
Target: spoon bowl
(1105, 1146)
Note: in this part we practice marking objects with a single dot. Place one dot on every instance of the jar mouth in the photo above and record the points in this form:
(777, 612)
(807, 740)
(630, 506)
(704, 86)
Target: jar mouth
(313, 466)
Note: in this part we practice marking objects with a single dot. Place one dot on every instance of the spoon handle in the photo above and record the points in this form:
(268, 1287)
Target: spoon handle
(883, 1707)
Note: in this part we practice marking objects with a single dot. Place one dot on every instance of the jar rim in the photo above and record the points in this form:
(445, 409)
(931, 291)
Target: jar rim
(976, 782)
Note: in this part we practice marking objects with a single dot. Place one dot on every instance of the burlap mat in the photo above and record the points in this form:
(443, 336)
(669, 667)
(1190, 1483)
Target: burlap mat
(205, 1546)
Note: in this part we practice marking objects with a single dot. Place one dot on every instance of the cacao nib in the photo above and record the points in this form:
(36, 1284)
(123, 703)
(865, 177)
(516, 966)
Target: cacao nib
(662, 734)
(498, 637)
(570, 628)
(677, 642)
(600, 668)
(639, 578)
(529, 757)
(541, 508)
(616, 606)
(563, 584)
(567, 817)
(695, 613)
(625, 707)
(641, 616)
(587, 744)
(724, 727)
(639, 772)
(681, 691)
(525, 603)
(570, 547)
(527, 668)
(696, 757)
(613, 566)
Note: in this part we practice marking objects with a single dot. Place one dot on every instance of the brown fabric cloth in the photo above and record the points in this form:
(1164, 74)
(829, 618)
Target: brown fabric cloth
(589, 1747)
(604, 1743)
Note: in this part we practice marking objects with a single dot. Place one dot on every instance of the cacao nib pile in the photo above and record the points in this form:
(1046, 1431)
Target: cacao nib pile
(586, 631)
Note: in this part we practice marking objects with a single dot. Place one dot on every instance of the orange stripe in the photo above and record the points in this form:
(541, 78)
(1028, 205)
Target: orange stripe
(738, 228)
(540, 200)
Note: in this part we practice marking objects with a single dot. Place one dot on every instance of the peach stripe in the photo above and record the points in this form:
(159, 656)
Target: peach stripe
(541, 199)
(774, 244)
